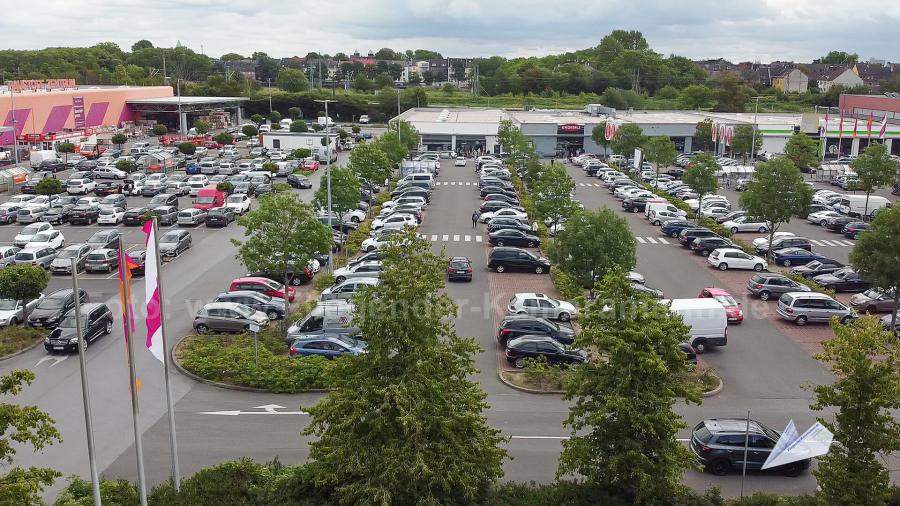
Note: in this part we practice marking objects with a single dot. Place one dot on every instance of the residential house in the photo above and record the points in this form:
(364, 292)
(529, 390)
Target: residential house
(365, 60)
(246, 68)
(786, 77)
(873, 74)
(827, 75)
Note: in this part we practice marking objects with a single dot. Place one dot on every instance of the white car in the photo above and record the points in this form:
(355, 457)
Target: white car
(110, 216)
(398, 219)
(353, 216)
(658, 217)
(374, 243)
(460, 161)
(197, 182)
(821, 218)
(746, 224)
(238, 202)
(733, 258)
(41, 202)
(694, 204)
(764, 241)
(538, 304)
(11, 311)
(20, 199)
(47, 239)
(80, 186)
(108, 172)
(714, 212)
(24, 237)
(200, 151)
(137, 184)
(371, 269)
(503, 213)
(88, 201)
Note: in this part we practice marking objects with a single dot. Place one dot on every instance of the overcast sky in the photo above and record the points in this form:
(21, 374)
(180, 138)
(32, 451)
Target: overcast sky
(739, 30)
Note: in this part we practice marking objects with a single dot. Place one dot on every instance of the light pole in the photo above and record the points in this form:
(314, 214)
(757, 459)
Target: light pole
(398, 116)
(15, 133)
(328, 177)
(269, 82)
(753, 137)
(181, 124)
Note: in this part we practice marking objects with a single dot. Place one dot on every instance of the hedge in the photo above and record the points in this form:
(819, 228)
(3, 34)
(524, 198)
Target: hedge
(808, 282)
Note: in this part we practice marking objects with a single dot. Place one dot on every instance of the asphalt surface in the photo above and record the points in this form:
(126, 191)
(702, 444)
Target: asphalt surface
(763, 366)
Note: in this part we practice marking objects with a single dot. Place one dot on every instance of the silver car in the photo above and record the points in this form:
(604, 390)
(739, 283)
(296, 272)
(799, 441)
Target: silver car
(36, 256)
(191, 217)
(346, 289)
(12, 311)
(538, 304)
(228, 317)
(362, 270)
(8, 255)
(804, 307)
(62, 264)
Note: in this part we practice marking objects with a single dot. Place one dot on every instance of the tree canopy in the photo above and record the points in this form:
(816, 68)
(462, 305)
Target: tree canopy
(701, 175)
(593, 244)
(552, 193)
(660, 151)
(369, 162)
(876, 255)
(874, 169)
(628, 137)
(802, 151)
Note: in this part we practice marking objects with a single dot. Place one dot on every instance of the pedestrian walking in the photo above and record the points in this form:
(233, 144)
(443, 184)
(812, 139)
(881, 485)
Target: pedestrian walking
(474, 218)
(534, 227)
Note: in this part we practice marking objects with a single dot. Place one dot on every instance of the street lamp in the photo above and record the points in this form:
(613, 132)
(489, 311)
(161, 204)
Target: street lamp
(327, 175)
(15, 132)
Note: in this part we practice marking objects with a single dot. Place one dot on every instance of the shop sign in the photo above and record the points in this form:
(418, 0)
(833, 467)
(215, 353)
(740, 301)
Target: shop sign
(78, 111)
(40, 84)
(570, 128)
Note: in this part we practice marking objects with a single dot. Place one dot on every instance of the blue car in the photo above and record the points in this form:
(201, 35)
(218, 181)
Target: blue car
(192, 168)
(673, 228)
(327, 345)
(795, 256)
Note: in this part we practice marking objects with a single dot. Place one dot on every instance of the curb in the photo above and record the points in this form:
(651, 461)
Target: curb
(714, 391)
(711, 393)
(22, 351)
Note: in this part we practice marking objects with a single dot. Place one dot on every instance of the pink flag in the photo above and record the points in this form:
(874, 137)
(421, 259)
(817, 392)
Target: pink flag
(151, 292)
(824, 129)
(882, 132)
(715, 131)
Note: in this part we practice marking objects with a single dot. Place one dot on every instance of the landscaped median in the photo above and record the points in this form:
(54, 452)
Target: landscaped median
(540, 378)
(16, 339)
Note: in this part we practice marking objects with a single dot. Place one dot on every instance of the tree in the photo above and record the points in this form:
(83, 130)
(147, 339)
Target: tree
(342, 134)
(594, 244)
(201, 126)
(430, 442)
(866, 392)
(731, 95)
(390, 145)
(292, 80)
(159, 129)
(355, 129)
(802, 151)
(744, 142)
(370, 163)
(299, 126)
(703, 136)
(414, 79)
(259, 119)
(776, 193)
(874, 169)
(295, 113)
(250, 130)
(384, 80)
(65, 148)
(660, 151)
(23, 425)
(119, 140)
(270, 167)
(141, 44)
(876, 255)
(362, 83)
(49, 186)
(428, 77)
(274, 117)
(224, 138)
(187, 148)
(281, 233)
(552, 193)
(623, 427)
(126, 165)
(695, 96)
(23, 283)
(701, 176)
(344, 193)
(839, 58)
(301, 153)
(598, 135)
(628, 137)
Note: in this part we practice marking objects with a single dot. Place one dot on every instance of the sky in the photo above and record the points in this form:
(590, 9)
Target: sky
(739, 30)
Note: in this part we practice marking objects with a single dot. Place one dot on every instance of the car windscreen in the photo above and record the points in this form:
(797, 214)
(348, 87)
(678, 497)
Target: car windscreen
(8, 304)
(51, 303)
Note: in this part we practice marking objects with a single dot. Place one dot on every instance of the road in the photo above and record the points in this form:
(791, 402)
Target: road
(763, 366)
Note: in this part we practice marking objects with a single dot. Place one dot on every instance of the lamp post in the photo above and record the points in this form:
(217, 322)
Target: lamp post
(269, 82)
(181, 124)
(398, 116)
(15, 133)
(328, 177)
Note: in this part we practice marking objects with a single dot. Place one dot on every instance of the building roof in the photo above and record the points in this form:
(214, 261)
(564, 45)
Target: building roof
(825, 72)
(187, 100)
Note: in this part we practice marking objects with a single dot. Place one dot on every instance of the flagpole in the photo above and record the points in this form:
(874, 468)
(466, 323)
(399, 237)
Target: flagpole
(173, 439)
(85, 396)
(132, 378)
(746, 448)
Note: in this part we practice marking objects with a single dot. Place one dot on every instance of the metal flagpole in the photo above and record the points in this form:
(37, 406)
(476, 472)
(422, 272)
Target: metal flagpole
(12, 108)
(173, 440)
(132, 378)
(328, 176)
(85, 396)
(746, 447)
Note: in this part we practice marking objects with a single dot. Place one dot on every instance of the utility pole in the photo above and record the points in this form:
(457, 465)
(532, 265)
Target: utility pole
(269, 81)
(181, 124)
(328, 176)
(753, 141)
(398, 115)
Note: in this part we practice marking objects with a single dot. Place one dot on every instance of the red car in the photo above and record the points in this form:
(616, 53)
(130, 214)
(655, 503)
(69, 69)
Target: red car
(311, 165)
(733, 310)
(262, 285)
(212, 145)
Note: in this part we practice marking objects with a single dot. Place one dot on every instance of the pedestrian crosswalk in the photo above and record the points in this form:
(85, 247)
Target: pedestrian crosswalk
(653, 240)
(453, 237)
(455, 183)
(832, 242)
(590, 184)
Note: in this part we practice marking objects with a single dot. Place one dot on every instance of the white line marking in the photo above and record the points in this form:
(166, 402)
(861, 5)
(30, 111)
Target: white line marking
(467, 238)
(817, 243)
(433, 238)
(641, 240)
(827, 243)
(468, 183)
(453, 183)
(445, 237)
(456, 238)
(652, 240)
(849, 243)
(477, 238)
(582, 184)
(663, 240)
(597, 184)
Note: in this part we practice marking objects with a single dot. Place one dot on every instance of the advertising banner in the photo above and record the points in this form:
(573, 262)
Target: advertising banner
(78, 111)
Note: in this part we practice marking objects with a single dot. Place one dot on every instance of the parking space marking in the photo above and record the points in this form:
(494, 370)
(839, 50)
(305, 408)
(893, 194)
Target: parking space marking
(817, 243)
(434, 238)
(831, 243)
(468, 238)
(445, 237)
(849, 243)
(477, 238)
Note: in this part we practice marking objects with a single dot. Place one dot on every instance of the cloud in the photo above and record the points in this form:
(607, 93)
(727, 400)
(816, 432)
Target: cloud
(736, 29)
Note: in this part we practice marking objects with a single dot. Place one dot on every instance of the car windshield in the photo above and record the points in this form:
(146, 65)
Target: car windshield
(815, 264)
(42, 237)
(169, 238)
(349, 341)
(8, 304)
(206, 200)
(107, 212)
(69, 321)
(873, 293)
(459, 265)
(67, 253)
(31, 229)
(50, 303)
(244, 311)
(275, 285)
(726, 300)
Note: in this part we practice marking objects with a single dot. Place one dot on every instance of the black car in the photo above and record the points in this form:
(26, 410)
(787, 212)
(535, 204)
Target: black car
(133, 216)
(299, 181)
(163, 199)
(496, 224)
(719, 444)
(817, 267)
(219, 217)
(783, 243)
(106, 239)
(705, 245)
(853, 229)
(520, 325)
(30, 186)
(502, 259)
(520, 349)
(96, 321)
(459, 268)
(105, 188)
(513, 237)
(263, 189)
(687, 236)
(336, 224)
(58, 214)
(139, 257)
(411, 192)
(674, 227)
(636, 204)
(838, 224)
(274, 308)
(83, 215)
(51, 166)
(496, 205)
(50, 310)
(295, 277)
(844, 280)
(500, 196)
(730, 216)
(488, 190)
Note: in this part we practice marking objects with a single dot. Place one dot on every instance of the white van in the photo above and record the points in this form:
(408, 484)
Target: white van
(332, 317)
(418, 177)
(285, 123)
(706, 318)
(855, 205)
(38, 157)
(140, 148)
(661, 204)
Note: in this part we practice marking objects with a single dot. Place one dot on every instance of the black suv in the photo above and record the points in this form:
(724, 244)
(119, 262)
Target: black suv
(504, 258)
(50, 310)
(133, 216)
(520, 325)
(96, 321)
(705, 245)
(83, 215)
(719, 445)
(530, 346)
(687, 236)
(785, 242)
(163, 199)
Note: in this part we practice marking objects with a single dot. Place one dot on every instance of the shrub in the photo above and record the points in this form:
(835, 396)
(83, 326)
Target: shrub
(715, 227)
(16, 337)
(808, 282)
(160, 129)
(323, 281)
(187, 148)
(355, 239)
(567, 285)
(49, 186)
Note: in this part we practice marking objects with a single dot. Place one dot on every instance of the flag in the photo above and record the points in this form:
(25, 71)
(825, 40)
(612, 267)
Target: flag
(151, 292)
(714, 131)
(126, 263)
(841, 127)
(729, 134)
(855, 125)
(869, 125)
(882, 132)
(824, 129)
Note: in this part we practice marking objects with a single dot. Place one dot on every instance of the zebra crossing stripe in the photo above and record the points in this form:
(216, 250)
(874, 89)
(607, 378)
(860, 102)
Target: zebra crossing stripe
(445, 237)
(652, 240)
(849, 243)
(477, 238)
(663, 240)
(641, 240)
(817, 243)
(467, 238)
(434, 238)
(831, 243)
(468, 183)
(455, 238)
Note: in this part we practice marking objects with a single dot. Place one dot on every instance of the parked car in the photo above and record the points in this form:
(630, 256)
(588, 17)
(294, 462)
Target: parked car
(228, 317)
(41, 257)
(108, 239)
(274, 308)
(167, 215)
(514, 326)
(12, 311)
(96, 321)
(219, 217)
(8, 255)
(50, 310)
(83, 215)
(766, 285)
(102, 260)
(520, 349)
(325, 345)
(705, 245)
(873, 300)
(503, 258)
(719, 444)
(58, 214)
(262, 285)
(106, 188)
(734, 258)
(110, 216)
(817, 267)
(459, 268)
(844, 280)
(362, 270)
(838, 223)
(538, 304)
(134, 215)
(191, 217)
(163, 199)
(47, 239)
(746, 224)
(29, 214)
(804, 307)
(687, 235)
(299, 181)
(62, 264)
(23, 237)
(239, 203)
(80, 186)
(174, 242)
(674, 227)
(346, 289)
(853, 229)
(733, 308)
(795, 256)
(513, 237)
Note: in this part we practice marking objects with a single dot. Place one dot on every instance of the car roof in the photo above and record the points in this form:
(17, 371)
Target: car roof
(251, 279)
(460, 259)
(65, 292)
(221, 305)
(531, 295)
(739, 425)
(716, 291)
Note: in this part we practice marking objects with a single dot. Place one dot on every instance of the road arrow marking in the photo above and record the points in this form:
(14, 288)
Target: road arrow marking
(268, 409)
(55, 360)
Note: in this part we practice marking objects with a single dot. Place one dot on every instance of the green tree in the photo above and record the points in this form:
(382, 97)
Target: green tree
(384, 80)
(249, 130)
(776, 193)
(344, 193)
(667, 92)
(390, 145)
(369, 162)
(703, 136)
(301, 153)
(430, 442)
(695, 96)
(874, 169)
(552, 193)
(225, 187)
(598, 135)
(49, 186)
(866, 393)
(21, 426)
(623, 427)
(627, 139)
(295, 113)
(187, 148)
(224, 138)
(141, 44)
(299, 126)
(342, 134)
(270, 167)
(274, 117)
(23, 283)
(362, 83)
(660, 151)
(701, 176)
(159, 129)
(292, 80)
(280, 233)
(594, 244)
(839, 58)
(65, 148)
(802, 151)
(126, 165)
(259, 119)
(744, 142)
(119, 139)
(201, 126)
(731, 96)
(876, 255)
